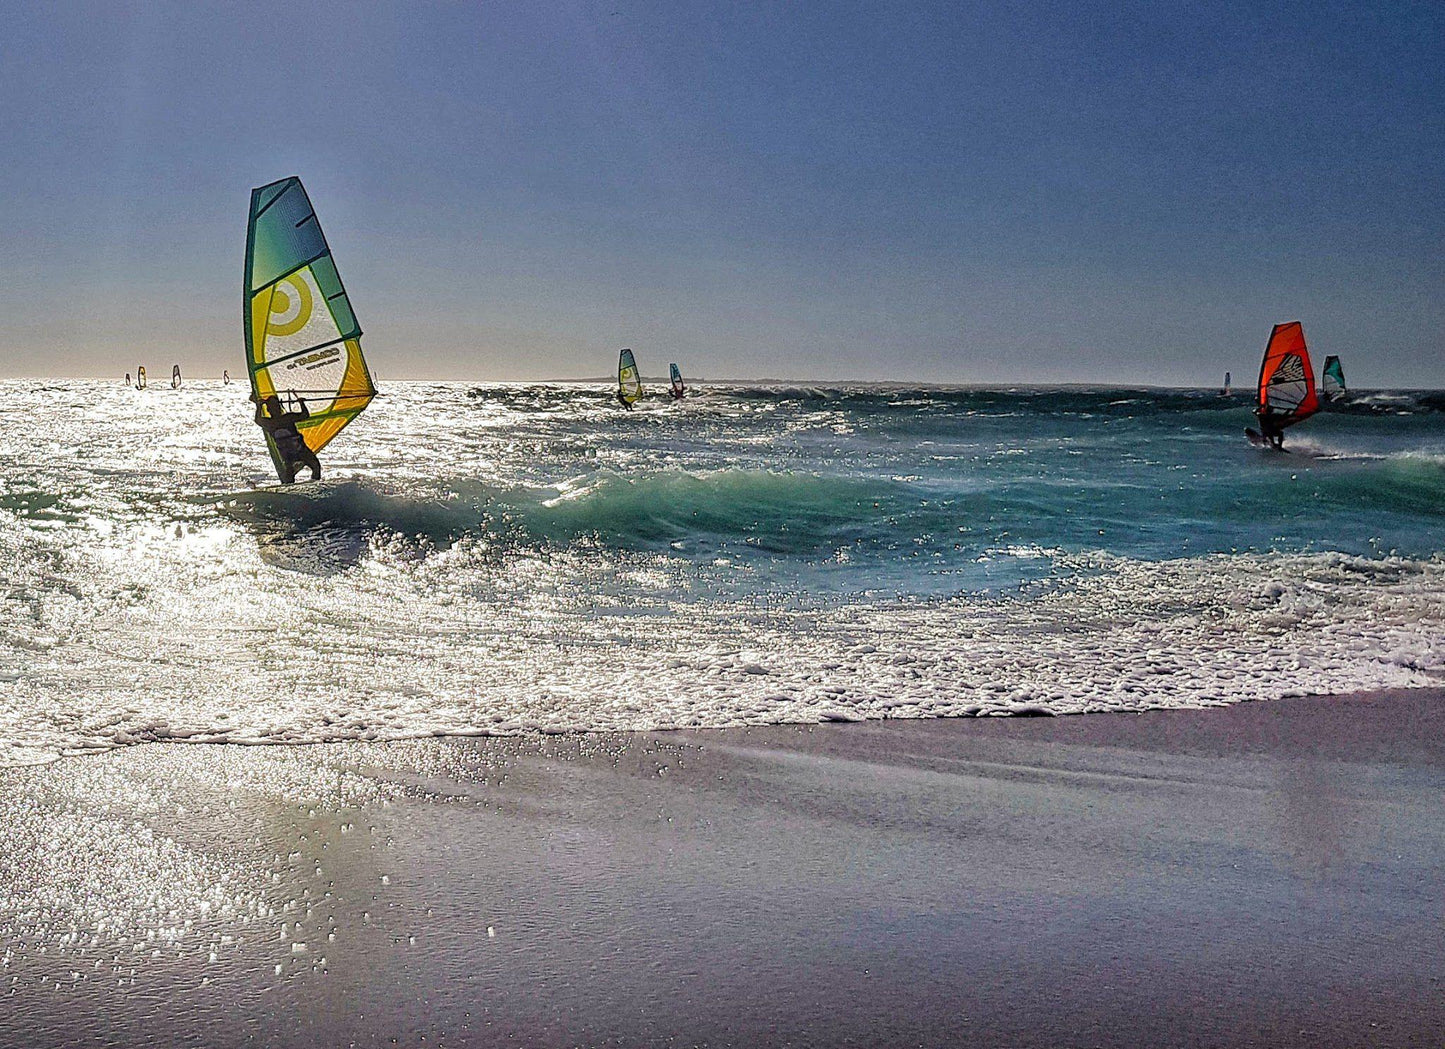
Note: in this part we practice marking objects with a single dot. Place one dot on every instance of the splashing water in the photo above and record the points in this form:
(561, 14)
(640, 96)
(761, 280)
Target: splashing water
(530, 557)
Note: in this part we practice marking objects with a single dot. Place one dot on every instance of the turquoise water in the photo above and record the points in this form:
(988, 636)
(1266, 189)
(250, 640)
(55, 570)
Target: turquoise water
(523, 557)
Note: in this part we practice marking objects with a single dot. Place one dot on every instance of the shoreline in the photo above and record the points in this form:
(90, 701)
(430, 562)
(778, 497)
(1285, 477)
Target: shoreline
(1258, 873)
(1022, 710)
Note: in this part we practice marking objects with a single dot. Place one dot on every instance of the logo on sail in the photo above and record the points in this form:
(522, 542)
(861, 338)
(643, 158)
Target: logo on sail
(290, 306)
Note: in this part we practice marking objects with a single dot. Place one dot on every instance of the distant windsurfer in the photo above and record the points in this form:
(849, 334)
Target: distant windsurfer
(622, 400)
(1286, 386)
(280, 426)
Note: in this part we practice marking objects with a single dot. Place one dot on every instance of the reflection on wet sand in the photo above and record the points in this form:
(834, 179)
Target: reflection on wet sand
(1197, 877)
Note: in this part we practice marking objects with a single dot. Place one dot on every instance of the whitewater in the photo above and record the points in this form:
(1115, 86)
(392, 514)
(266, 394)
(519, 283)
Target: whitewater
(490, 559)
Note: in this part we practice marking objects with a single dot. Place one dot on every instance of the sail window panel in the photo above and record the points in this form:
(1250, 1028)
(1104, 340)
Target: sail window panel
(297, 318)
(319, 375)
(1287, 397)
(1287, 388)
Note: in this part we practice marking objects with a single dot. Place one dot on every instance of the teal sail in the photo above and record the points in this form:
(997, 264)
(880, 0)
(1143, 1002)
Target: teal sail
(678, 389)
(1333, 380)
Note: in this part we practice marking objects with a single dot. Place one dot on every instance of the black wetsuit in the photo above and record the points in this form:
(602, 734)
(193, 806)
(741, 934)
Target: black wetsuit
(624, 401)
(290, 447)
(1271, 431)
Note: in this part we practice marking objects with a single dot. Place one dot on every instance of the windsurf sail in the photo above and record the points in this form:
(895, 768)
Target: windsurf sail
(629, 383)
(225, 377)
(1332, 382)
(1226, 383)
(1286, 377)
(302, 338)
(678, 389)
(175, 376)
(140, 377)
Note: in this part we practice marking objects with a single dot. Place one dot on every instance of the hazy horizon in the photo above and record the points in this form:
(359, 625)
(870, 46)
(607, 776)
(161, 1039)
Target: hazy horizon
(160, 380)
(951, 193)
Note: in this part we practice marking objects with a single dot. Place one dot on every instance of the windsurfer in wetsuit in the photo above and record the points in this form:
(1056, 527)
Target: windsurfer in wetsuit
(1270, 430)
(280, 426)
(624, 401)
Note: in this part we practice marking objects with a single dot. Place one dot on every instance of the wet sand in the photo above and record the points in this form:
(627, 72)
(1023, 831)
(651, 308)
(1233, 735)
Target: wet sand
(1265, 874)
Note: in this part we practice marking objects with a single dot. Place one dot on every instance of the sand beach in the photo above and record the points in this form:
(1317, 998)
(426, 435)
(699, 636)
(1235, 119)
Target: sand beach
(1262, 874)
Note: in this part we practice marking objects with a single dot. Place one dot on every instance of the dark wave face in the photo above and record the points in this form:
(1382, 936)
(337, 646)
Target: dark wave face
(986, 400)
(943, 477)
(523, 556)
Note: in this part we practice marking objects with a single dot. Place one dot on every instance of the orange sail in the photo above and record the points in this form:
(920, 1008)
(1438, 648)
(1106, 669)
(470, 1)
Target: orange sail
(1287, 378)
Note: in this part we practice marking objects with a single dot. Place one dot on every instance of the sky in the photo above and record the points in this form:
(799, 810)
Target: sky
(951, 192)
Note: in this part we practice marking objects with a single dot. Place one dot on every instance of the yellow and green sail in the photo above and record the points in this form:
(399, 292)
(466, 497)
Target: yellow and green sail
(302, 339)
(629, 383)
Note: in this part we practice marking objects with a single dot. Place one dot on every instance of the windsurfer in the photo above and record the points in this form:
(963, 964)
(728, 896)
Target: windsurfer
(622, 400)
(280, 426)
(1270, 430)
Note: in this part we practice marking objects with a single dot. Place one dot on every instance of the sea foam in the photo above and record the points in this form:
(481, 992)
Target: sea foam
(532, 560)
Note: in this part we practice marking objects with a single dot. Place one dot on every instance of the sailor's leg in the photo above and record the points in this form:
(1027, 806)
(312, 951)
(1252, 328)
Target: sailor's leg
(288, 472)
(306, 457)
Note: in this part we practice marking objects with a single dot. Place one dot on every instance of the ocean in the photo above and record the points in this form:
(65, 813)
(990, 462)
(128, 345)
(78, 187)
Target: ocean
(520, 558)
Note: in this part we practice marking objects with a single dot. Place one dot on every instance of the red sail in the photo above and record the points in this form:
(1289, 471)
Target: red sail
(1287, 378)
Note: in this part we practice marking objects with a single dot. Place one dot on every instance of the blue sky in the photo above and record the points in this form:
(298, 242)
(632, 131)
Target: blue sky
(964, 192)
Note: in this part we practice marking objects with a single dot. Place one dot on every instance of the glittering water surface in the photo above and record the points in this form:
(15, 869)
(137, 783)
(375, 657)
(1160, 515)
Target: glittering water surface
(504, 558)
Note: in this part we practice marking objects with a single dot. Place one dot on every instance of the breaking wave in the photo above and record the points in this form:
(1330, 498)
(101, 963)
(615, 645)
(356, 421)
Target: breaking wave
(533, 559)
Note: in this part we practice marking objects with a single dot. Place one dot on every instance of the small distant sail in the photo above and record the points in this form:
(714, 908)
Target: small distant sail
(1332, 385)
(629, 383)
(140, 377)
(1226, 384)
(1286, 377)
(225, 377)
(302, 338)
(175, 377)
(678, 389)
